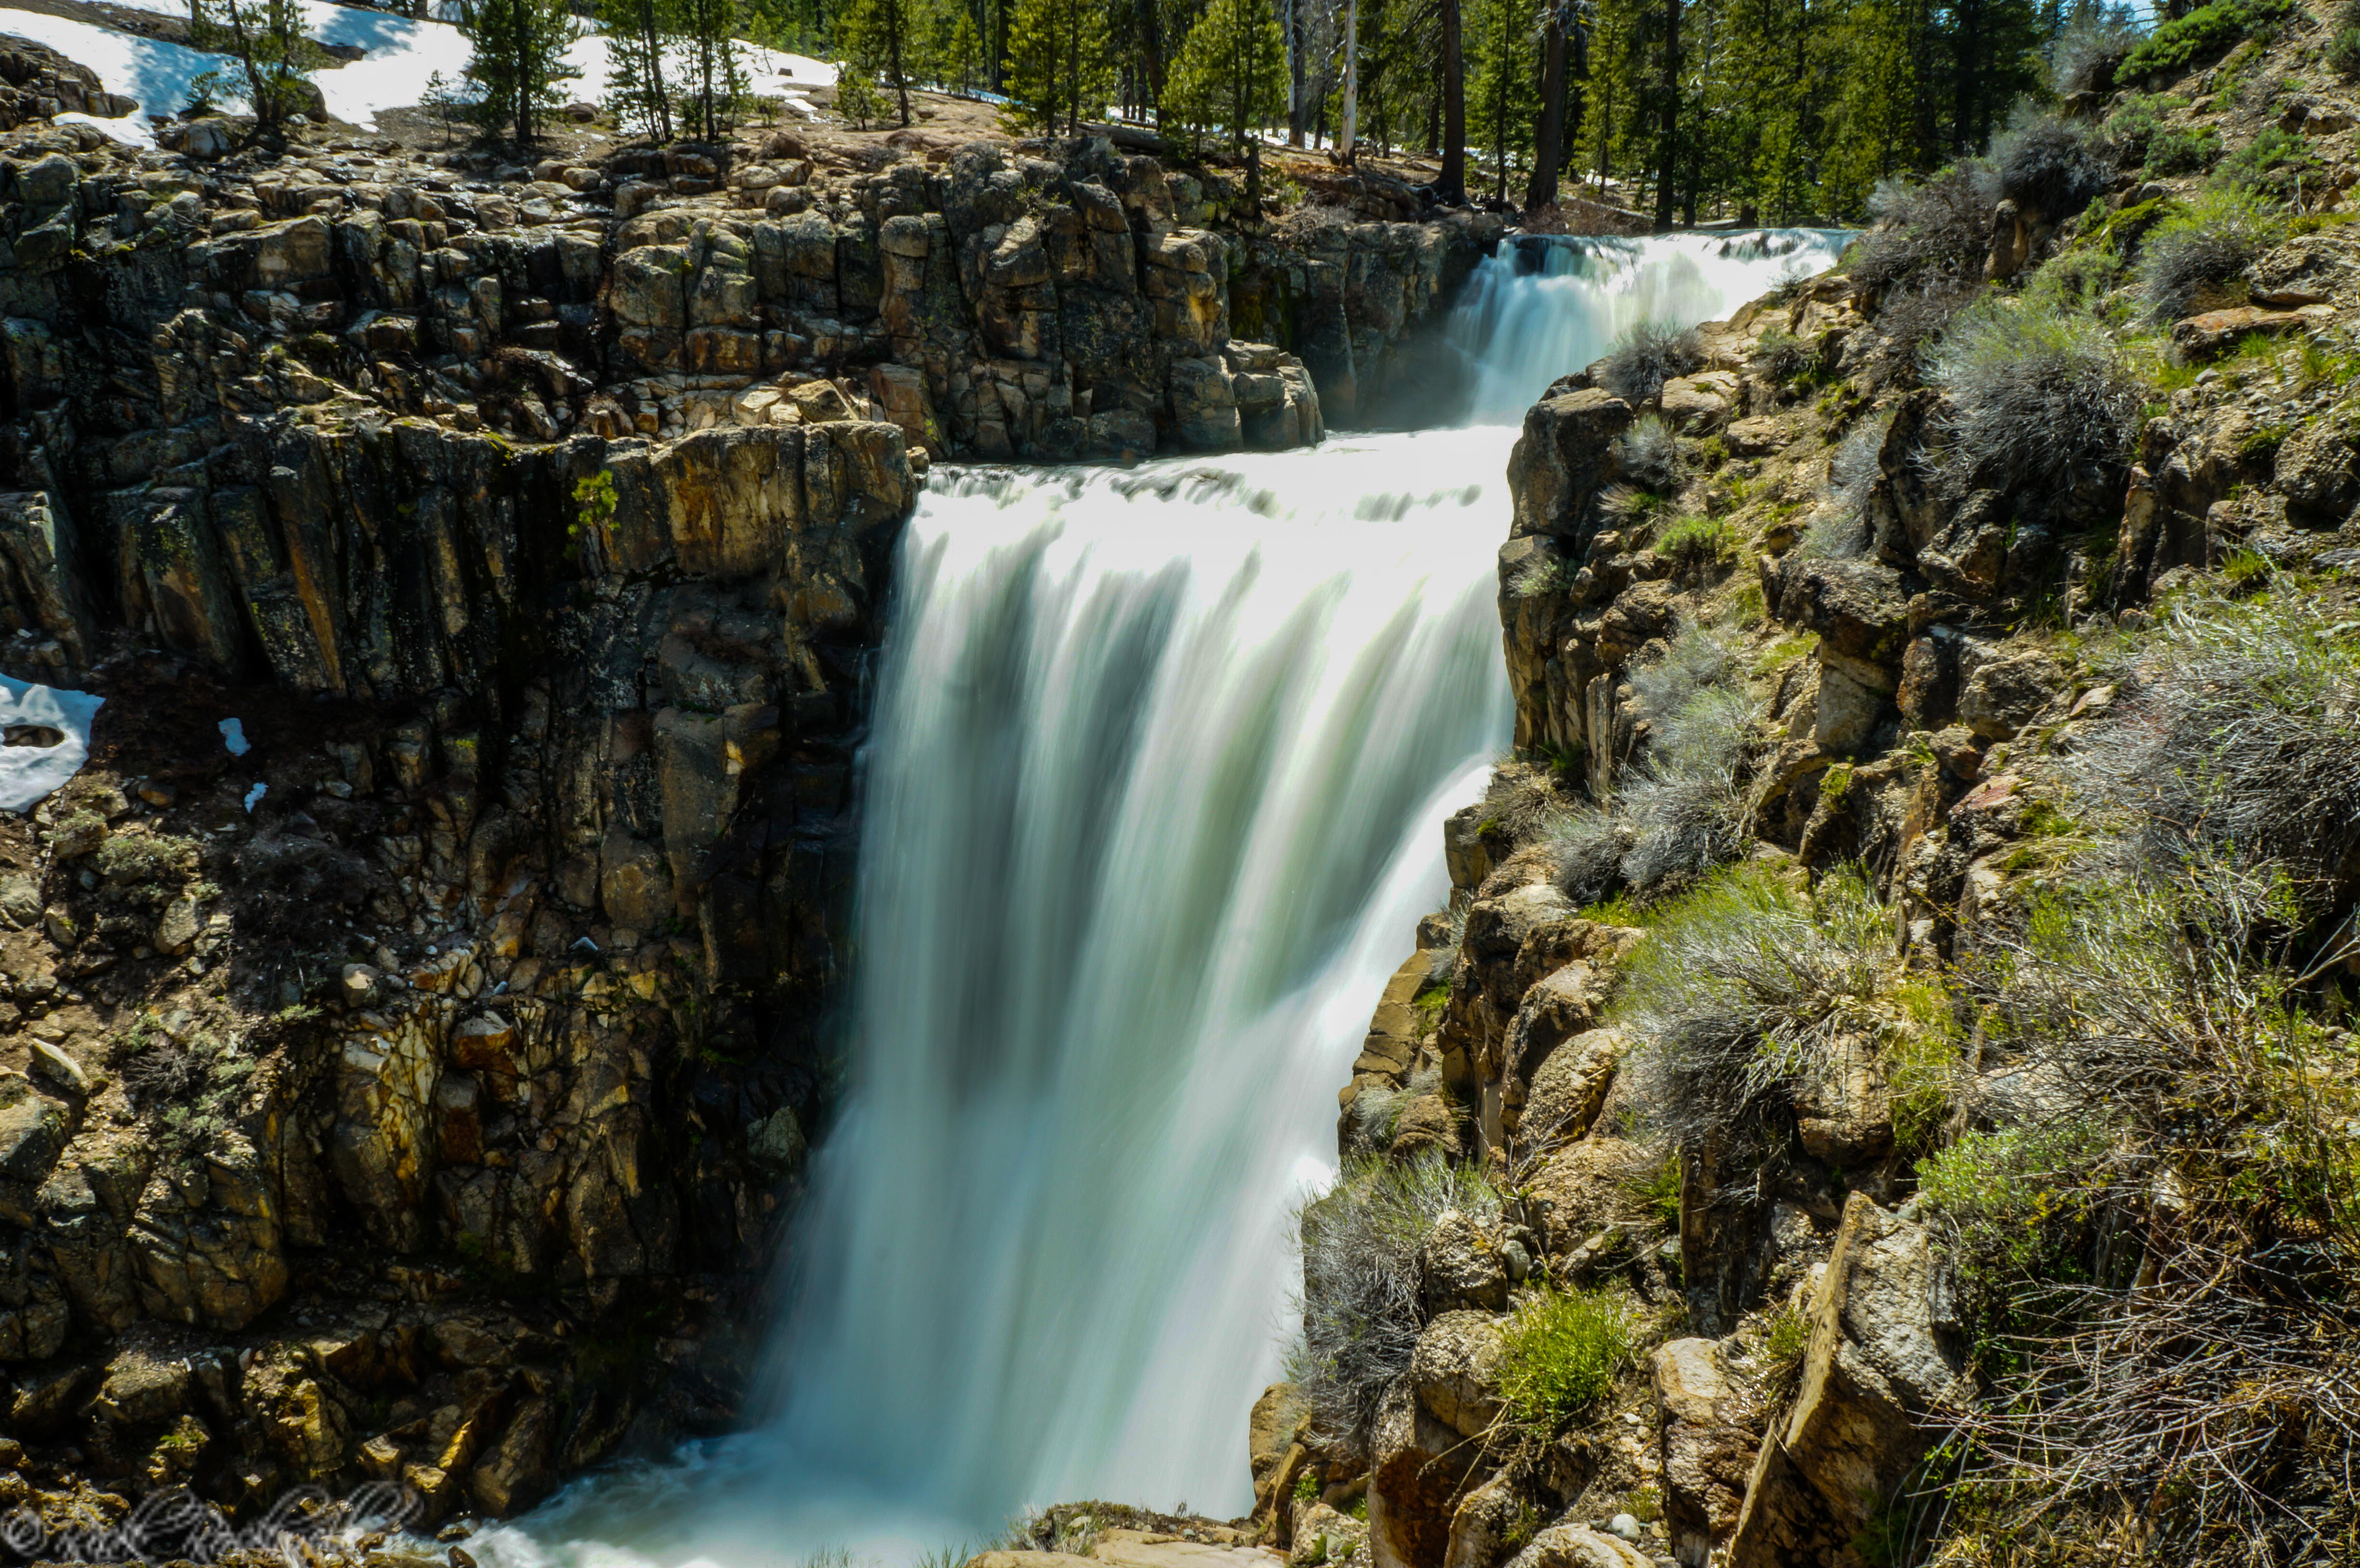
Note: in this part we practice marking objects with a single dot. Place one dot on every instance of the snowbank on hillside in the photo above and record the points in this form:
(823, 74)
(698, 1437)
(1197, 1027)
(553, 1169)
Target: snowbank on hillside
(401, 55)
(155, 73)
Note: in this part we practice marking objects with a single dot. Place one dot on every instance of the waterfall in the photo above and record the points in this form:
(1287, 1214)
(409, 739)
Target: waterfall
(1152, 802)
(1546, 305)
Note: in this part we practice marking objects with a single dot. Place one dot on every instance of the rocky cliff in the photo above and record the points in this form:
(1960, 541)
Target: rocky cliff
(1786, 1148)
(420, 1004)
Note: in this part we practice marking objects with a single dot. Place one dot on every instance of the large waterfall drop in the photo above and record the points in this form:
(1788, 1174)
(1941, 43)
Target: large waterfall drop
(1152, 807)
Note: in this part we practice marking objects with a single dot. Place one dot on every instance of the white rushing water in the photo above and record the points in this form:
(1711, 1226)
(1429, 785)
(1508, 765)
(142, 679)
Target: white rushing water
(1547, 305)
(1153, 808)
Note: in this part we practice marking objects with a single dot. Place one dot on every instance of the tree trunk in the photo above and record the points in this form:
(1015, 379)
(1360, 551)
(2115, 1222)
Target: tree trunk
(1667, 161)
(1294, 73)
(1150, 49)
(654, 41)
(1351, 78)
(1450, 185)
(893, 57)
(1541, 189)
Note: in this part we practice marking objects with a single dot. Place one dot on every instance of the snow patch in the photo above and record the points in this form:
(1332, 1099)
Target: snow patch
(234, 736)
(401, 54)
(131, 129)
(29, 717)
(254, 797)
(155, 73)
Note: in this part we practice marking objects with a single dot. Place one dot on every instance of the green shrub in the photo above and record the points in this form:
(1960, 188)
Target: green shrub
(1560, 1354)
(2204, 33)
(1360, 1284)
(2201, 246)
(2274, 161)
(2344, 51)
(1783, 1345)
(144, 859)
(2182, 152)
(2035, 396)
(2137, 118)
(1697, 542)
(1542, 574)
(1658, 1192)
(2017, 1204)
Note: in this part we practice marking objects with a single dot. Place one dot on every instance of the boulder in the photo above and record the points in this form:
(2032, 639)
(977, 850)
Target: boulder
(1859, 609)
(1456, 1367)
(2317, 474)
(1569, 1086)
(33, 1133)
(1565, 456)
(1578, 1546)
(1422, 1466)
(1460, 1267)
(2005, 694)
(1709, 1445)
(1875, 1371)
(1582, 1187)
(2215, 332)
(1489, 1520)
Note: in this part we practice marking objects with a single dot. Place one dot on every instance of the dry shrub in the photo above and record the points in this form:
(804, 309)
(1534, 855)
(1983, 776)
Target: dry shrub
(2036, 398)
(1744, 992)
(2199, 246)
(2156, 1256)
(1361, 1285)
(1933, 233)
(2049, 166)
(1647, 356)
(1650, 456)
(2236, 731)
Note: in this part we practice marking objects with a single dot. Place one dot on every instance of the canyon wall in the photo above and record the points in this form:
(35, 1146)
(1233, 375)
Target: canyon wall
(406, 1082)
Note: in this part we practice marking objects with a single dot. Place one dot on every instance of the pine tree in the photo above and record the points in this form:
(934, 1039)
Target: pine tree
(266, 38)
(1500, 91)
(960, 60)
(634, 80)
(1059, 65)
(878, 37)
(855, 97)
(518, 59)
(716, 78)
(1230, 79)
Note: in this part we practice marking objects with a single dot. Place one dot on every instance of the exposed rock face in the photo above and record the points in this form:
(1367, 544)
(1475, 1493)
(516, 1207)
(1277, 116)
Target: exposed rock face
(1875, 1365)
(459, 1023)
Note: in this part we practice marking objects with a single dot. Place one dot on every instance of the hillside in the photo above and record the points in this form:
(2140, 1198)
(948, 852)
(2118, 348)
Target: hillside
(1881, 1089)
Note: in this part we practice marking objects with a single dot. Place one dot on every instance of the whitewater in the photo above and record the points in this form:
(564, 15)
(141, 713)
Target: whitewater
(1153, 796)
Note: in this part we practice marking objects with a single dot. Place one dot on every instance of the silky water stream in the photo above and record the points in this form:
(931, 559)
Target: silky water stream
(1155, 793)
